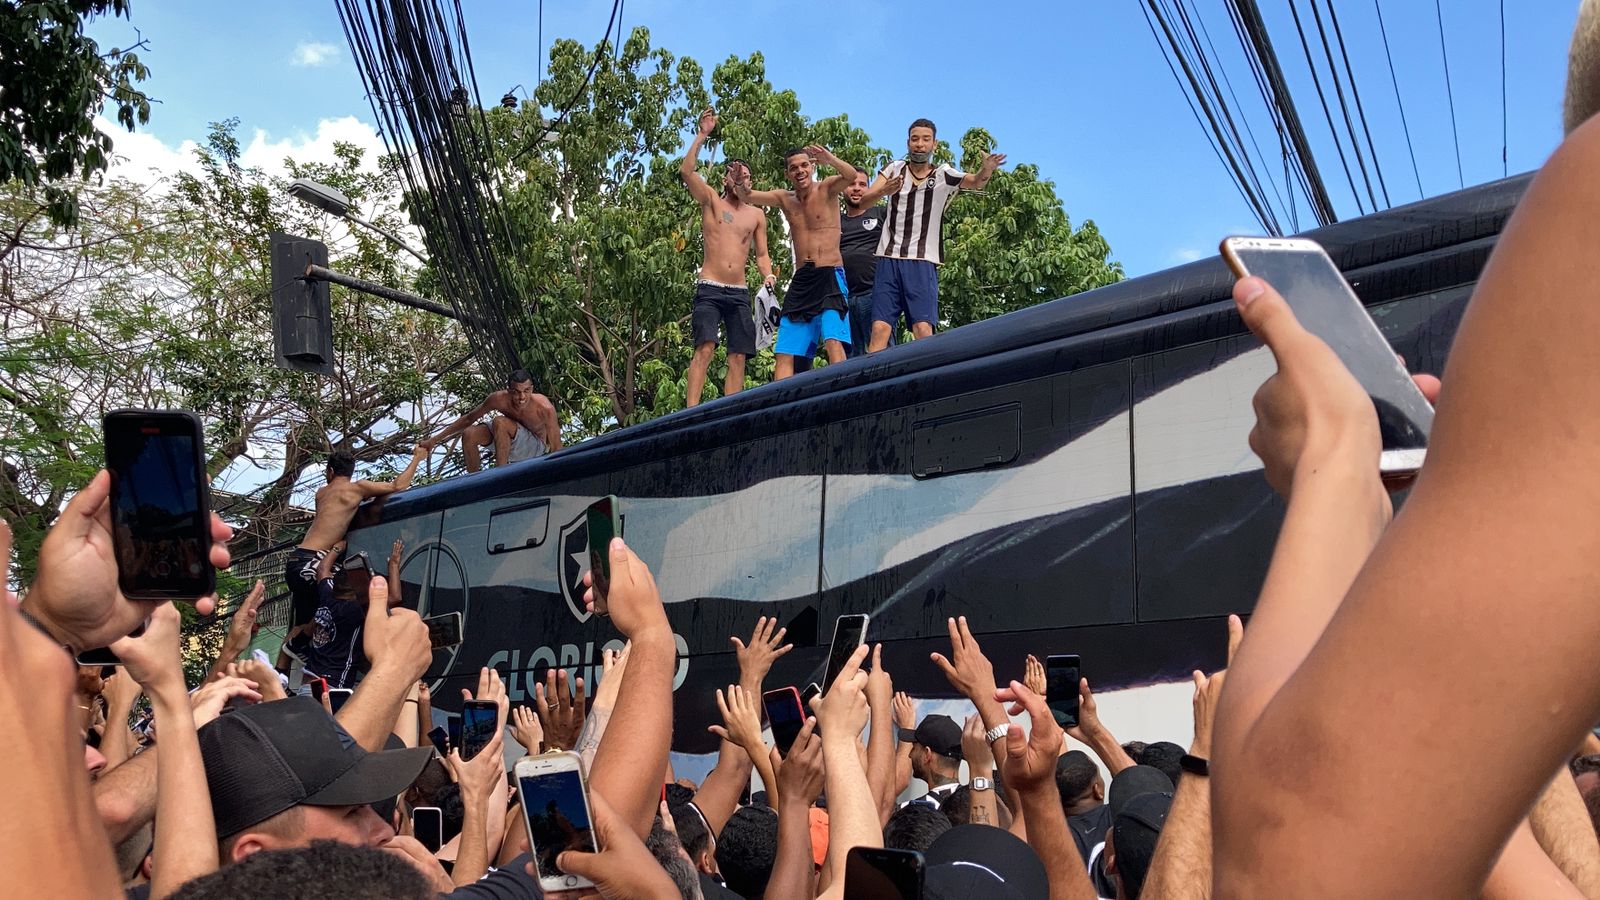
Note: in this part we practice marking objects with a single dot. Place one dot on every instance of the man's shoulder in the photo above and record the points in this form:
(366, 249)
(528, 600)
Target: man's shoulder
(894, 167)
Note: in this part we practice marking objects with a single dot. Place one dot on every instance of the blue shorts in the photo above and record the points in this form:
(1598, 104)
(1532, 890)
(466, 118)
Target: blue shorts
(908, 287)
(803, 338)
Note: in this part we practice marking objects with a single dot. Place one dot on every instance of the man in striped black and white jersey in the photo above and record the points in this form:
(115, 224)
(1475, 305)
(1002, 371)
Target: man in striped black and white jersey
(911, 247)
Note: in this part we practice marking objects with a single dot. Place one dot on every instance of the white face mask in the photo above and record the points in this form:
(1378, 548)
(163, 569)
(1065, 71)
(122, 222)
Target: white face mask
(922, 158)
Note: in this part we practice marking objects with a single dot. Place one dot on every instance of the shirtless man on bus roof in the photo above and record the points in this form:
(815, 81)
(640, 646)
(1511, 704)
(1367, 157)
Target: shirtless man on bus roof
(526, 426)
(815, 304)
(337, 502)
(729, 227)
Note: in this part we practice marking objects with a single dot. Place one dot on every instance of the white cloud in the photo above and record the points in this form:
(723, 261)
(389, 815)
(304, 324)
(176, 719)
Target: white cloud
(144, 158)
(314, 54)
(1186, 255)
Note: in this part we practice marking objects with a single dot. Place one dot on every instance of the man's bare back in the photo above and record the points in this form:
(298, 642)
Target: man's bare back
(336, 506)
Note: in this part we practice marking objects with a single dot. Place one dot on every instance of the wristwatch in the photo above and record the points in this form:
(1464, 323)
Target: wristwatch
(997, 732)
(981, 783)
(1195, 765)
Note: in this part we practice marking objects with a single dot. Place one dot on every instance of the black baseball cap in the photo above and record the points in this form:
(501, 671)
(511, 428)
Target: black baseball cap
(1134, 781)
(1136, 830)
(940, 734)
(261, 760)
(983, 861)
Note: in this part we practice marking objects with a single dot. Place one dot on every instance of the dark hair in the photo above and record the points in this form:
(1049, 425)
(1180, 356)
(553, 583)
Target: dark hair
(326, 868)
(914, 826)
(693, 830)
(1163, 755)
(924, 123)
(797, 151)
(1075, 775)
(451, 810)
(1134, 748)
(746, 850)
(1582, 764)
(668, 853)
(342, 462)
(519, 376)
(677, 794)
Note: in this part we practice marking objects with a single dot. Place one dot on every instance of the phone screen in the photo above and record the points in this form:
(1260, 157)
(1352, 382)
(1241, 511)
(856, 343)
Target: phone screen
(444, 631)
(357, 573)
(427, 823)
(874, 873)
(441, 740)
(452, 727)
(1324, 303)
(558, 816)
(479, 720)
(809, 691)
(101, 656)
(785, 716)
(848, 633)
(602, 524)
(1061, 674)
(160, 515)
(319, 686)
(337, 698)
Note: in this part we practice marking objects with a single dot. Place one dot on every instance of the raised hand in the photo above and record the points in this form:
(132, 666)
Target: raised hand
(623, 869)
(396, 552)
(967, 669)
(242, 626)
(560, 712)
(491, 688)
(1030, 760)
(905, 711)
(75, 596)
(842, 711)
(613, 664)
(1033, 675)
(880, 687)
(399, 638)
(633, 603)
(1088, 714)
(209, 701)
(152, 658)
(526, 730)
(756, 658)
(263, 676)
(992, 162)
(800, 774)
(975, 747)
(741, 716)
(708, 121)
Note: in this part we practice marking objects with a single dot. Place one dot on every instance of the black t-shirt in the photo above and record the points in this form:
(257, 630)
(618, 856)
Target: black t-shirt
(334, 651)
(858, 245)
(1089, 829)
(509, 882)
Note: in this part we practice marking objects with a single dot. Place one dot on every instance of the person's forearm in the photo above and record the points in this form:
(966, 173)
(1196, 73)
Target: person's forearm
(231, 648)
(718, 796)
(764, 266)
(370, 713)
(1181, 867)
(187, 849)
(691, 156)
(880, 759)
(629, 773)
(846, 172)
(763, 766)
(852, 816)
(792, 869)
(125, 797)
(1050, 839)
(1524, 872)
(472, 853)
(1104, 744)
(116, 745)
(424, 717)
(902, 769)
(405, 724)
(594, 730)
(985, 806)
(1561, 824)
(410, 472)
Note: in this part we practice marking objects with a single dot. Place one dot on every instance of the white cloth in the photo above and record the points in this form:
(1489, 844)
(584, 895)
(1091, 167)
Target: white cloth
(525, 445)
(766, 313)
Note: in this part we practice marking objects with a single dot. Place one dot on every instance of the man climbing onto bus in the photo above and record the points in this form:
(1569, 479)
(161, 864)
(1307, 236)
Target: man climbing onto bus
(526, 426)
(911, 246)
(721, 297)
(815, 304)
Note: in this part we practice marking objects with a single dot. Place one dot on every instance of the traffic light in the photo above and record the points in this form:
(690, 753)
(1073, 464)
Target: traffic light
(302, 320)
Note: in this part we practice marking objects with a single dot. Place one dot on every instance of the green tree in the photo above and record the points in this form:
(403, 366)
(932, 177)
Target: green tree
(53, 80)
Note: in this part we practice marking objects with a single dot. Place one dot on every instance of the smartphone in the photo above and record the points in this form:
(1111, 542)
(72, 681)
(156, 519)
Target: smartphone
(785, 715)
(357, 573)
(452, 727)
(1324, 303)
(160, 504)
(427, 826)
(441, 740)
(809, 691)
(479, 721)
(849, 632)
(1061, 674)
(874, 873)
(319, 686)
(337, 698)
(603, 526)
(555, 807)
(101, 656)
(444, 631)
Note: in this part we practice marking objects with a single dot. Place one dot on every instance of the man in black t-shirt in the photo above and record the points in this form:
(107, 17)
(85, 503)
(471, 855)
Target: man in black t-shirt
(859, 225)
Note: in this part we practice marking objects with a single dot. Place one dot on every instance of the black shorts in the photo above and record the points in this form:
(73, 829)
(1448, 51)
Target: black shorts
(726, 306)
(300, 571)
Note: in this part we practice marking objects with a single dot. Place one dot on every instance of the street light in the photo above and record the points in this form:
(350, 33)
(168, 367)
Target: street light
(333, 201)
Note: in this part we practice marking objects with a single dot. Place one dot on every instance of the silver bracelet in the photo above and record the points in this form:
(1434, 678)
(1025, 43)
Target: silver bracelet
(997, 732)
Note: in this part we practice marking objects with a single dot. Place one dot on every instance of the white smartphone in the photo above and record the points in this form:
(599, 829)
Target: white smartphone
(849, 632)
(555, 807)
(337, 697)
(1322, 300)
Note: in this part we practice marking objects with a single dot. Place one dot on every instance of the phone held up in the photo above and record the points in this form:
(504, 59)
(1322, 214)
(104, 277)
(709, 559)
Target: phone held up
(357, 573)
(480, 719)
(160, 504)
(427, 824)
(603, 523)
(555, 807)
(849, 632)
(785, 715)
(1061, 674)
(876, 873)
(1326, 306)
(444, 630)
(337, 697)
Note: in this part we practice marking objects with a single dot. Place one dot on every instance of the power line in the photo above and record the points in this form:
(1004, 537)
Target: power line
(1397, 101)
(599, 54)
(1503, 130)
(1327, 115)
(1355, 93)
(1449, 93)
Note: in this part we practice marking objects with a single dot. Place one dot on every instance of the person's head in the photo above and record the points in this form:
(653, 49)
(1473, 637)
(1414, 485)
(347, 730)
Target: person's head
(341, 464)
(678, 794)
(323, 869)
(1163, 755)
(694, 832)
(669, 854)
(799, 167)
(284, 774)
(746, 850)
(921, 138)
(1131, 842)
(1079, 782)
(1583, 68)
(1133, 782)
(735, 171)
(981, 861)
(936, 750)
(1134, 748)
(914, 826)
(856, 190)
(519, 384)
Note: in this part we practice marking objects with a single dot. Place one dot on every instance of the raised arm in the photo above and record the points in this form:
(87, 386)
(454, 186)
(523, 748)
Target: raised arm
(1562, 826)
(801, 779)
(689, 168)
(841, 713)
(843, 173)
(754, 197)
(239, 631)
(977, 181)
(742, 717)
(1094, 733)
(881, 736)
(1028, 765)
(461, 424)
(883, 187)
(1181, 867)
(384, 488)
(397, 645)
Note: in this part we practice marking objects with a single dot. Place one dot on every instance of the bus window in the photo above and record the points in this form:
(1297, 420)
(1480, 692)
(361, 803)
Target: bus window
(518, 527)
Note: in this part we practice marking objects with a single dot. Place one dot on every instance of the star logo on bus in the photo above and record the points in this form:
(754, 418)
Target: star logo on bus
(572, 562)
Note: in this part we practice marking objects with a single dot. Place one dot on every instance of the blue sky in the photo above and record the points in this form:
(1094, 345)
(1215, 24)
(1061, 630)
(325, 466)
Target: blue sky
(1078, 88)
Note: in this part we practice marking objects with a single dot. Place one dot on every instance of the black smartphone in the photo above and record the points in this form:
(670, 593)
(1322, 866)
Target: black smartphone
(452, 727)
(785, 715)
(874, 873)
(337, 698)
(479, 720)
(806, 693)
(444, 631)
(603, 526)
(427, 826)
(1324, 303)
(848, 633)
(357, 573)
(1061, 674)
(160, 504)
(441, 740)
(101, 656)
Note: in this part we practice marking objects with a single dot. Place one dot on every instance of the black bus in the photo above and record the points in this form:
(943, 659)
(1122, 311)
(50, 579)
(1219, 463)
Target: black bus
(1073, 477)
